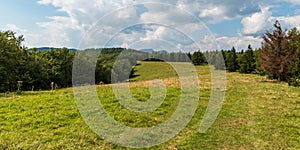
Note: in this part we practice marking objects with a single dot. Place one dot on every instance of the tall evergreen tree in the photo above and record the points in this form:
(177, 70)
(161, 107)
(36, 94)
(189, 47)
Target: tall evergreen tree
(247, 62)
(232, 61)
(198, 58)
(277, 57)
(294, 37)
(295, 80)
(258, 67)
(189, 55)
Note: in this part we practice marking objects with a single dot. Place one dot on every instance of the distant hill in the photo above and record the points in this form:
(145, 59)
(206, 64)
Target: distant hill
(147, 50)
(50, 48)
(152, 51)
(103, 50)
(163, 51)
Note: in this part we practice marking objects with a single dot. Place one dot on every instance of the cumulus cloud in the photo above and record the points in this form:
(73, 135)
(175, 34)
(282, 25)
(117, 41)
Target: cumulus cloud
(257, 23)
(178, 22)
(61, 31)
(214, 11)
(239, 42)
(81, 15)
(290, 21)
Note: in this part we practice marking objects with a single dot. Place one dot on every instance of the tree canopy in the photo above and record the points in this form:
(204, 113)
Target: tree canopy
(11, 56)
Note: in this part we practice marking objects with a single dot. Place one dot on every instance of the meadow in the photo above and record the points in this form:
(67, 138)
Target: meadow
(256, 114)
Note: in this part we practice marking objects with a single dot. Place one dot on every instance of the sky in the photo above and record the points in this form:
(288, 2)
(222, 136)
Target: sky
(173, 25)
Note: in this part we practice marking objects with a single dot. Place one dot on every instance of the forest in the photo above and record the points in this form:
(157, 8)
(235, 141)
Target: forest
(23, 68)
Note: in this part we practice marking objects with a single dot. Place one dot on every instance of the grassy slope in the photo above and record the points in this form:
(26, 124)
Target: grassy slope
(255, 115)
(151, 70)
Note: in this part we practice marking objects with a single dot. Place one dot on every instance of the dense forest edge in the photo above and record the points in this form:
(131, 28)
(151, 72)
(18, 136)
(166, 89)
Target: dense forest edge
(23, 68)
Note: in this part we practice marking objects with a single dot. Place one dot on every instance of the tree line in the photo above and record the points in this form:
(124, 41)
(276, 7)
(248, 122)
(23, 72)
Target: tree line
(278, 58)
(32, 68)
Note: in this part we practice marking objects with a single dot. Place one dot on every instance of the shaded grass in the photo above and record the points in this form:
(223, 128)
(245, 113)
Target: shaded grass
(255, 115)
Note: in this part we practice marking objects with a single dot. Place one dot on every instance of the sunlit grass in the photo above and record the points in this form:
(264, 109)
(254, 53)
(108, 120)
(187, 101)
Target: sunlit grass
(255, 115)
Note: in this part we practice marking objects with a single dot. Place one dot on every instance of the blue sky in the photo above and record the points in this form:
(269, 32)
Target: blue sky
(184, 24)
(25, 13)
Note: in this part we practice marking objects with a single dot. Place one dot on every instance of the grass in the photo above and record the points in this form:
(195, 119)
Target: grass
(151, 70)
(255, 115)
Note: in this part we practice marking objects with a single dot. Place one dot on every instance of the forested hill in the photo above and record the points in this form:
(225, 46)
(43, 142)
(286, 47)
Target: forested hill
(48, 49)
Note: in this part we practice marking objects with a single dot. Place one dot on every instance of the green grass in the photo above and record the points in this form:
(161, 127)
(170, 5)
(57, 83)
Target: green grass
(255, 115)
(153, 70)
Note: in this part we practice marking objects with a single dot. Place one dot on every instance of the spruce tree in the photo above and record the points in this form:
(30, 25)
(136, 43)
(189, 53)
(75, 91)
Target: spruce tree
(294, 37)
(278, 56)
(198, 58)
(295, 81)
(247, 63)
(232, 61)
(189, 55)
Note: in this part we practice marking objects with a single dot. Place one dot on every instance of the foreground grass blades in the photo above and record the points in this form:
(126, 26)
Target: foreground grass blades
(255, 115)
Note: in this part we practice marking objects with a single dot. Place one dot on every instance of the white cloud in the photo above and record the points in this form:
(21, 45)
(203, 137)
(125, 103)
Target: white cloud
(14, 28)
(291, 21)
(215, 14)
(257, 23)
(125, 45)
(62, 31)
(215, 11)
(239, 42)
(81, 15)
(296, 2)
(151, 36)
(31, 39)
(159, 33)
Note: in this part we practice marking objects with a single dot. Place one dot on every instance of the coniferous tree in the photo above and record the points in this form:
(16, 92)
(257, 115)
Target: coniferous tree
(258, 67)
(294, 37)
(295, 81)
(277, 57)
(232, 61)
(247, 62)
(198, 58)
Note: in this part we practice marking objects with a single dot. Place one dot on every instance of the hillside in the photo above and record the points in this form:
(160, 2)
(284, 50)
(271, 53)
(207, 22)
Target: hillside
(256, 114)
